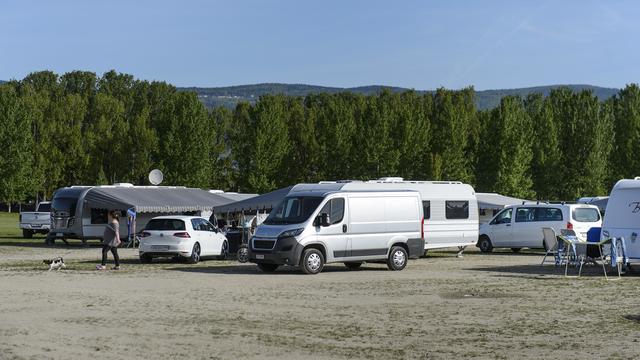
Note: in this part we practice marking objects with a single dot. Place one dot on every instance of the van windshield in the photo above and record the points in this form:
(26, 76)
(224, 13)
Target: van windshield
(293, 210)
(586, 215)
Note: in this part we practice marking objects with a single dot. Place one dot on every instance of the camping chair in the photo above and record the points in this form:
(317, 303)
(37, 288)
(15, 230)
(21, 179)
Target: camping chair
(551, 244)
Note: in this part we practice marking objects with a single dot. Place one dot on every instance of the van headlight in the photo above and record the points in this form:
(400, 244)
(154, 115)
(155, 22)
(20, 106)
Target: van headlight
(291, 233)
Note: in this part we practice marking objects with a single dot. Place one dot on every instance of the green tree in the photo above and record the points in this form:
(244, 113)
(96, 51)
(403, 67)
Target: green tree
(625, 162)
(16, 142)
(546, 162)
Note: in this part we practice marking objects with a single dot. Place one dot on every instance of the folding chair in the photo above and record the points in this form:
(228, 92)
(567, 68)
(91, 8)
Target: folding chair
(551, 244)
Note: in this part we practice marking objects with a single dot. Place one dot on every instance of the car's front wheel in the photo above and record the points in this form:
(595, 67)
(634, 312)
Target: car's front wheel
(312, 261)
(195, 254)
(397, 258)
(485, 244)
(224, 251)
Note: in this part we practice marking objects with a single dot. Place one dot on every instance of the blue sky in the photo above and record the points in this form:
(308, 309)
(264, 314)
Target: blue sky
(415, 44)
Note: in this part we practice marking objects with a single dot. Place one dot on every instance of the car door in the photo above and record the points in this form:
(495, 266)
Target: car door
(215, 238)
(500, 228)
(335, 236)
(201, 236)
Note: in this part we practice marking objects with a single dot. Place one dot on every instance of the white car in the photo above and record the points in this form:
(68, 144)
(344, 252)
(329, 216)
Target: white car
(189, 237)
(520, 226)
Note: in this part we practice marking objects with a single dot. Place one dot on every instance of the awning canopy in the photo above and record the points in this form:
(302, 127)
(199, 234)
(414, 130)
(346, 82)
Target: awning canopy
(157, 199)
(262, 202)
(493, 201)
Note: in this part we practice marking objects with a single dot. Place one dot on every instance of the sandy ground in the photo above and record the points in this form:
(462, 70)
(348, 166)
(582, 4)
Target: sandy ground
(499, 306)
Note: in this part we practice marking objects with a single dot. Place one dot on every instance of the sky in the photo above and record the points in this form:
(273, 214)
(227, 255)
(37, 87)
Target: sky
(415, 44)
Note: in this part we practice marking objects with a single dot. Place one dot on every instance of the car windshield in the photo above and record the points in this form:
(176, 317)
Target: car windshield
(586, 215)
(65, 204)
(293, 210)
(165, 224)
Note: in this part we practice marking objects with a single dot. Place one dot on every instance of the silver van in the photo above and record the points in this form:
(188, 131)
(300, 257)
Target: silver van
(317, 226)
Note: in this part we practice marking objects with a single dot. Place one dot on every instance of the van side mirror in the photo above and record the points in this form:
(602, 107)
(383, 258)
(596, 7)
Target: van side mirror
(322, 220)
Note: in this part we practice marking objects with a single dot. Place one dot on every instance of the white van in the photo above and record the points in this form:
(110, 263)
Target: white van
(622, 217)
(520, 226)
(316, 224)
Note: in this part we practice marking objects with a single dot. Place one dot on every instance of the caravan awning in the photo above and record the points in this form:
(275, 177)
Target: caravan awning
(493, 201)
(158, 199)
(262, 202)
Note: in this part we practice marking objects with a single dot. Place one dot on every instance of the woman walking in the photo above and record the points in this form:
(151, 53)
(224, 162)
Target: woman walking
(110, 241)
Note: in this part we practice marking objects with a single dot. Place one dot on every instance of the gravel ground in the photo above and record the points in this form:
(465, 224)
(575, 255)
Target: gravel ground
(498, 306)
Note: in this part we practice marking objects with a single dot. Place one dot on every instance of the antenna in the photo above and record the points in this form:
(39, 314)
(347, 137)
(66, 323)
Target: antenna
(155, 177)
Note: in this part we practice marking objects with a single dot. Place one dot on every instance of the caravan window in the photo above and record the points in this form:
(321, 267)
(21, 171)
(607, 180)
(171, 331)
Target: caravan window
(426, 209)
(335, 209)
(99, 216)
(457, 209)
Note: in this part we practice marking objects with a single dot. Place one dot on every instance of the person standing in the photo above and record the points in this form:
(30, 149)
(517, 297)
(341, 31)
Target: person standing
(110, 241)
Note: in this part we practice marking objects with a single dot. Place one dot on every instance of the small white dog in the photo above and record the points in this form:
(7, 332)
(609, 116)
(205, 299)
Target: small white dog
(55, 264)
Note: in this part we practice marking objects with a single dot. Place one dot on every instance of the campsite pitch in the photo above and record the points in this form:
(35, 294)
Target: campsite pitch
(500, 306)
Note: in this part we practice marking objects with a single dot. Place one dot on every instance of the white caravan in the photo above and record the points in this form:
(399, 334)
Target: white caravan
(622, 217)
(321, 223)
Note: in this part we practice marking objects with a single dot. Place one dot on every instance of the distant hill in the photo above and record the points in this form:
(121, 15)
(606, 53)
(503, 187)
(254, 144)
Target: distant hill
(229, 96)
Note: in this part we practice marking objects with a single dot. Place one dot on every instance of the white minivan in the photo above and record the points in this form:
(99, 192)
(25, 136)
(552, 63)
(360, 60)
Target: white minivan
(316, 225)
(520, 226)
(622, 217)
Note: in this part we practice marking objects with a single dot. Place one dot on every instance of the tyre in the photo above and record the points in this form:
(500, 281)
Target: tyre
(353, 265)
(224, 251)
(397, 259)
(27, 234)
(243, 254)
(146, 258)
(195, 254)
(312, 261)
(268, 267)
(485, 244)
(516, 250)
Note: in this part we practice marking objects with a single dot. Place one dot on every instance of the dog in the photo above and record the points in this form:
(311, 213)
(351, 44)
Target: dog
(55, 264)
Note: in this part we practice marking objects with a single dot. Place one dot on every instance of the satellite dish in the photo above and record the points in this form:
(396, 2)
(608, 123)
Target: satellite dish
(155, 177)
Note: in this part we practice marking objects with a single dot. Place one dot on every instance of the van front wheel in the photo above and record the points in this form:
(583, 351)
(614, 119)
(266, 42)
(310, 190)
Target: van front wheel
(397, 258)
(485, 244)
(312, 261)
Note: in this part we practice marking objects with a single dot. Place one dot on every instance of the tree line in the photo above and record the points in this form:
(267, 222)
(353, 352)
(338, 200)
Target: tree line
(79, 128)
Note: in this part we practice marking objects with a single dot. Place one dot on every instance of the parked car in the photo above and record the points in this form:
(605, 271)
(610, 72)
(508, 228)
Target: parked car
(36, 222)
(622, 217)
(319, 225)
(182, 237)
(520, 226)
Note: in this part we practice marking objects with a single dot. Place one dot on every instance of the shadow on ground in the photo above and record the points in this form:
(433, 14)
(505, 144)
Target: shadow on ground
(251, 269)
(545, 271)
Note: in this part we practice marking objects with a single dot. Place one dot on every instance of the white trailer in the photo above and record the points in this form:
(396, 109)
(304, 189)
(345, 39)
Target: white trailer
(622, 217)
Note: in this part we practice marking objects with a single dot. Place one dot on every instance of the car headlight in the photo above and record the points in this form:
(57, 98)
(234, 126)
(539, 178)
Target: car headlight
(290, 233)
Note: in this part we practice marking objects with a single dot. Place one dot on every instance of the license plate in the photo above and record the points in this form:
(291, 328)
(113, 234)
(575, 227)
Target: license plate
(259, 256)
(160, 247)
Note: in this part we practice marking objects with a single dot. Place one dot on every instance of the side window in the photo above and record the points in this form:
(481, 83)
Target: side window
(335, 209)
(549, 214)
(208, 226)
(525, 214)
(426, 209)
(197, 225)
(456, 209)
(99, 216)
(503, 218)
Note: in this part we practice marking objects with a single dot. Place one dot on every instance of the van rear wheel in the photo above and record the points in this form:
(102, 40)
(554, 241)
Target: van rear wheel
(312, 261)
(397, 258)
(485, 244)
(353, 265)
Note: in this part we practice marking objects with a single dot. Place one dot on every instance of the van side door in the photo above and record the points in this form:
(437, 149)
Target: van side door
(500, 231)
(526, 230)
(335, 236)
